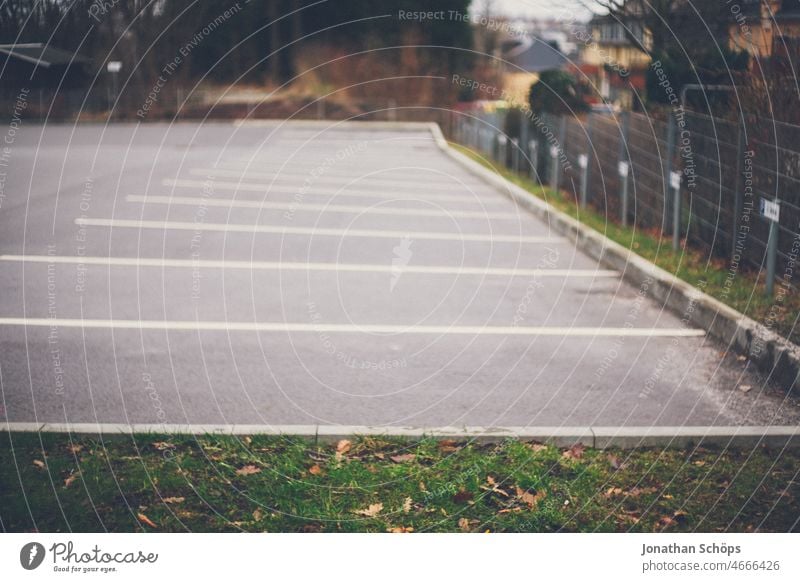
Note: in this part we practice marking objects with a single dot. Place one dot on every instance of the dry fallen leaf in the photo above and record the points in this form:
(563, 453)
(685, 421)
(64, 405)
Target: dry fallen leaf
(611, 491)
(401, 529)
(68, 481)
(745, 388)
(75, 449)
(315, 470)
(403, 458)
(463, 524)
(407, 505)
(537, 447)
(343, 446)
(163, 446)
(174, 499)
(257, 515)
(146, 520)
(371, 511)
(614, 461)
(574, 452)
(248, 470)
(39, 463)
(447, 446)
(531, 499)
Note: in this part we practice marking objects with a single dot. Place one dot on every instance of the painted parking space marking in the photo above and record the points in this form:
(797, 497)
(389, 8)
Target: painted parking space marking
(179, 325)
(198, 201)
(298, 230)
(294, 266)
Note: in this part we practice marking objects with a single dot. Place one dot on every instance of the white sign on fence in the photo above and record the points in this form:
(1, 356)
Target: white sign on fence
(553, 152)
(771, 209)
(114, 66)
(675, 180)
(623, 168)
(583, 161)
(501, 139)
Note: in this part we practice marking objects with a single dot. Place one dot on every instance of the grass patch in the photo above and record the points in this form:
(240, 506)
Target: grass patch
(56, 483)
(745, 293)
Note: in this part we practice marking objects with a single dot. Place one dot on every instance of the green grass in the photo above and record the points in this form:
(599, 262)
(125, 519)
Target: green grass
(745, 292)
(54, 482)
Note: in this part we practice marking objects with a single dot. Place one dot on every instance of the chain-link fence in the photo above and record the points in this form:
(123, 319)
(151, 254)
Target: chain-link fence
(731, 189)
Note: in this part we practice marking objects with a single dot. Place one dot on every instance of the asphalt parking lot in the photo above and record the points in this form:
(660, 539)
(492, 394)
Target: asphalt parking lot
(299, 273)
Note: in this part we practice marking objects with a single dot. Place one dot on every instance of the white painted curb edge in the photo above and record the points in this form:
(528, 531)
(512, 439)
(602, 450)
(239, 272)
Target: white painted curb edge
(565, 436)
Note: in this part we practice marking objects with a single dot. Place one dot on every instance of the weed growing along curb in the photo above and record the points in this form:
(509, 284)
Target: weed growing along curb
(745, 294)
(57, 482)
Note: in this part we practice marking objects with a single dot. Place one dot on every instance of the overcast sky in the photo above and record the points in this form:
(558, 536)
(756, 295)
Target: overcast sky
(532, 8)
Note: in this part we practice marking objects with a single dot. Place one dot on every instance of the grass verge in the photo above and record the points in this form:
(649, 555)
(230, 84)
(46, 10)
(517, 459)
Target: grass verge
(58, 482)
(745, 292)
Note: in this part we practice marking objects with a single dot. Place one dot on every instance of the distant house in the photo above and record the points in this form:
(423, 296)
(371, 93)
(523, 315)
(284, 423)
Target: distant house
(36, 65)
(764, 27)
(615, 64)
(524, 58)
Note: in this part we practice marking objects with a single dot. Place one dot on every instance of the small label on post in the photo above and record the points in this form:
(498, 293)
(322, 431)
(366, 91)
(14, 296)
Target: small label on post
(623, 168)
(553, 152)
(583, 161)
(771, 209)
(501, 139)
(675, 180)
(114, 66)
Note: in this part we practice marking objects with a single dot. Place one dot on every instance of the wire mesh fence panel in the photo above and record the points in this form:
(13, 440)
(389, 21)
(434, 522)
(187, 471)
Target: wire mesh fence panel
(647, 150)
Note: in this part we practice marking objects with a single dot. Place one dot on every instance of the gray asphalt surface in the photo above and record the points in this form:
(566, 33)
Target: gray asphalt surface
(450, 306)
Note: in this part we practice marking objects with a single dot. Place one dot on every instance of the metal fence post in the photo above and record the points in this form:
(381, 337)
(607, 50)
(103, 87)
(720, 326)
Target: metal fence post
(533, 154)
(555, 177)
(515, 155)
(668, 190)
(737, 188)
(588, 170)
(772, 254)
(676, 212)
(624, 168)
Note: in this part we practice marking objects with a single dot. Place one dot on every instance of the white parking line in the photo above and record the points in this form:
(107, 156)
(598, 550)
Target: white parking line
(299, 230)
(299, 179)
(199, 201)
(351, 328)
(312, 190)
(287, 266)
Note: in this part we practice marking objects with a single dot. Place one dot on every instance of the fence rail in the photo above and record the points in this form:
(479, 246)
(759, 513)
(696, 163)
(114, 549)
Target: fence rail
(732, 176)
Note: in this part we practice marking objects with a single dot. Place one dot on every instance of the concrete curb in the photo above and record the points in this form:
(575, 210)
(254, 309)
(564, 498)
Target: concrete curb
(561, 436)
(771, 353)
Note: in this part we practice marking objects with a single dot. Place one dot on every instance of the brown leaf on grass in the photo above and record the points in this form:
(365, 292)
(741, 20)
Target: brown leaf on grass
(493, 487)
(462, 496)
(745, 387)
(400, 529)
(343, 446)
(612, 491)
(403, 458)
(68, 481)
(315, 470)
(537, 447)
(163, 445)
(257, 515)
(406, 505)
(38, 463)
(614, 461)
(637, 491)
(463, 524)
(370, 511)
(146, 520)
(248, 470)
(447, 446)
(75, 449)
(574, 452)
(174, 499)
(531, 499)
(422, 486)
